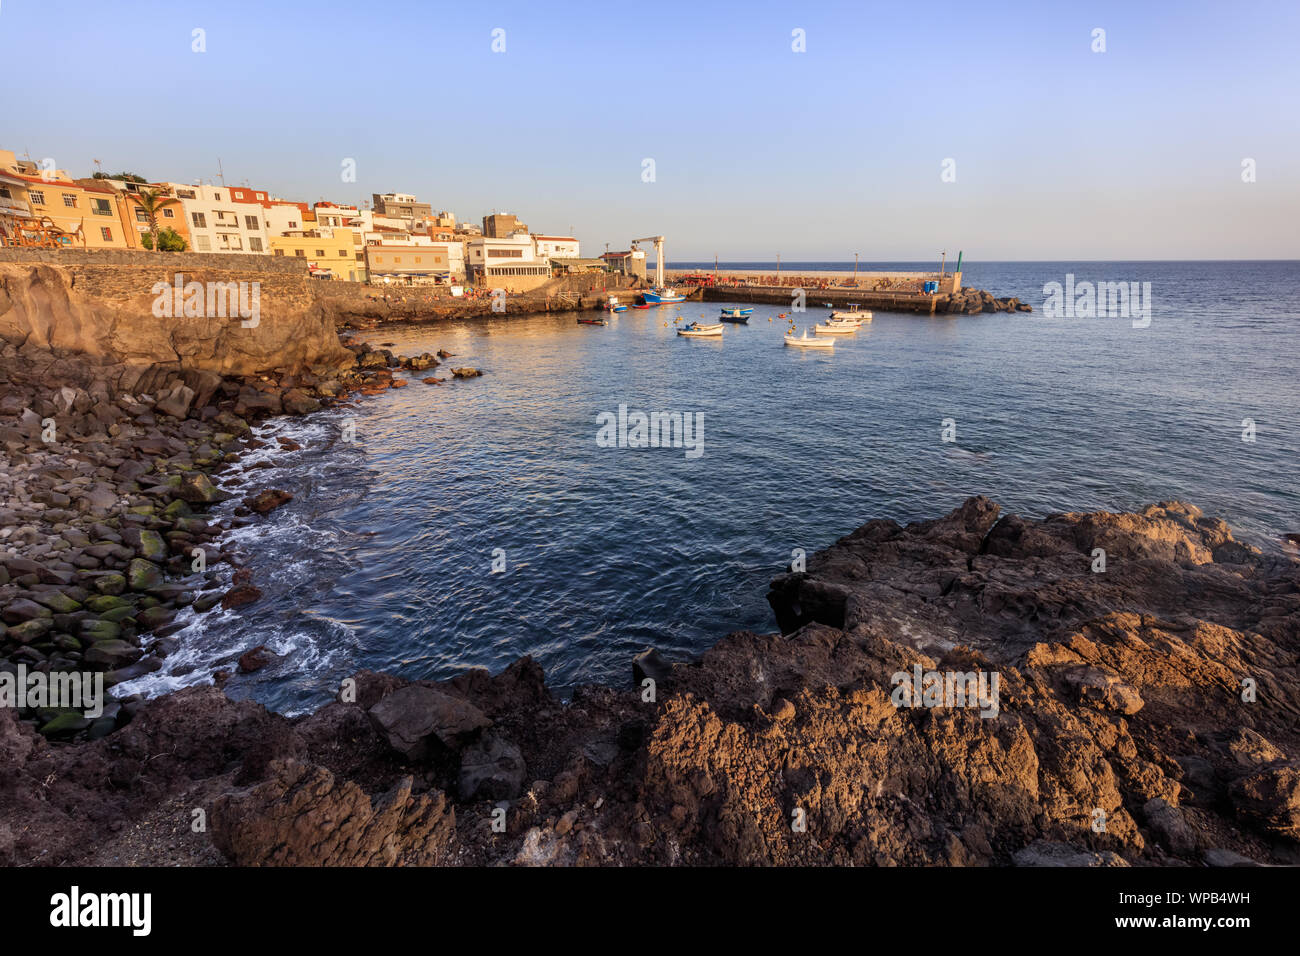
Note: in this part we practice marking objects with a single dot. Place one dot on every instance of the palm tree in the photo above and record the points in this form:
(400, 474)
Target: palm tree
(152, 202)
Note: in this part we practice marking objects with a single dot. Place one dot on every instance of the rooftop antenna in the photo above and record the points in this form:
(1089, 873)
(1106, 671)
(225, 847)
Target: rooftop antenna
(221, 171)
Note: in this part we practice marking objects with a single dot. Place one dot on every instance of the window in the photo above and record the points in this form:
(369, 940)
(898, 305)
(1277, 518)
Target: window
(343, 253)
(418, 259)
(103, 207)
(293, 225)
(185, 194)
(279, 252)
(320, 253)
(217, 196)
(141, 216)
(70, 200)
(37, 197)
(168, 214)
(200, 220)
(298, 253)
(106, 233)
(261, 195)
(203, 243)
(505, 253)
(4, 193)
(250, 222)
(254, 244)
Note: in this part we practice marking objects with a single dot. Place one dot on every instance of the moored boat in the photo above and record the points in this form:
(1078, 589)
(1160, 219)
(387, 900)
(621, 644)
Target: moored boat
(590, 321)
(809, 343)
(836, 328)
(854, 314)
(695, 329)
(662, 296)
(739, 315)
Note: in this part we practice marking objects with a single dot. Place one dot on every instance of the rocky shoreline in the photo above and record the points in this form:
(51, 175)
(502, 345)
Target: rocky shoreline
(1145, 714)
(104, 527)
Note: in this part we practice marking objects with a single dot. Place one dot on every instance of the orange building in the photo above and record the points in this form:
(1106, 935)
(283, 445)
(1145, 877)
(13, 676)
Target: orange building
(75, 214)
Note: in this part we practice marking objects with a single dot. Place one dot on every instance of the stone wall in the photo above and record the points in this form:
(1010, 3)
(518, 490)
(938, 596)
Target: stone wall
(168, 262)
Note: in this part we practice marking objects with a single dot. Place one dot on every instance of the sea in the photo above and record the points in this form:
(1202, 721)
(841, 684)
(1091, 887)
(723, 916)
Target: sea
(473, 522)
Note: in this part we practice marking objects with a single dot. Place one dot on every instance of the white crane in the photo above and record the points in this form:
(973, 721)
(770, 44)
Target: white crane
(659, 253)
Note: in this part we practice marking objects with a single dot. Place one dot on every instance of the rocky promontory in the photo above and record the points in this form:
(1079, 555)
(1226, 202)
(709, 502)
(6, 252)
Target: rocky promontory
(1145, 714)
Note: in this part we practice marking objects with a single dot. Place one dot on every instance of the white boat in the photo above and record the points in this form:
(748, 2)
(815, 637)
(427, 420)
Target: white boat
(854, 314)
(836, 328)
(809, 343)
(695, 329)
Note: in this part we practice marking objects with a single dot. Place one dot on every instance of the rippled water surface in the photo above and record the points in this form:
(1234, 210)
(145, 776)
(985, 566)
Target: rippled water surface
(384, 558)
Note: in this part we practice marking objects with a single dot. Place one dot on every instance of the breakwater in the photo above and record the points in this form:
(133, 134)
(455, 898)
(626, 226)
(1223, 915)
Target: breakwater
(965, 302)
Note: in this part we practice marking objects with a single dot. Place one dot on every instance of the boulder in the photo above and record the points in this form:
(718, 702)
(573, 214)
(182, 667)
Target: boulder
(410, 718)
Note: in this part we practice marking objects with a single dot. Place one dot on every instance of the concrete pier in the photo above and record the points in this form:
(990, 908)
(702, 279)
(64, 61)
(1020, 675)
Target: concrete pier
(779, 295)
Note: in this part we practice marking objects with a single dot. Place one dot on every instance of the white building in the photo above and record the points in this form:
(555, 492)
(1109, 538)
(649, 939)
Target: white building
(218, 223)
(284, 218)
(511, 263)
(557, 247)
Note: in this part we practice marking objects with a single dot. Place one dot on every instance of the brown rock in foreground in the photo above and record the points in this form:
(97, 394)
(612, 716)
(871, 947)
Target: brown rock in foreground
(1144, 715)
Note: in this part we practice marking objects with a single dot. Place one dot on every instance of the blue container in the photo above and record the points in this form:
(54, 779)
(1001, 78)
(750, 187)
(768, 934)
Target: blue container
(932, 287)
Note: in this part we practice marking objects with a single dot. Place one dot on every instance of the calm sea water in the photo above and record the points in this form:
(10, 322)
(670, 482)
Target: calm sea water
(384, 559)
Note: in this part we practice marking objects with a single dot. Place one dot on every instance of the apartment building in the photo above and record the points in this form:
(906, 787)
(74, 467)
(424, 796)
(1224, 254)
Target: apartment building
(43, 206)
(220, 223)
(330, 253)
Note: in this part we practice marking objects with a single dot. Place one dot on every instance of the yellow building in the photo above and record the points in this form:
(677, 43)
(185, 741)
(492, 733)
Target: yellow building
(80, 215)
(330, 253)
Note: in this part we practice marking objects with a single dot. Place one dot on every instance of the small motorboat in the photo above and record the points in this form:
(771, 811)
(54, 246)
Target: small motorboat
(695, 329)
(736, 315)
(854, 314)
(640, 305)
(663, 296)
(809, 343)
(836, 328)
(618, 308)
(589, 321)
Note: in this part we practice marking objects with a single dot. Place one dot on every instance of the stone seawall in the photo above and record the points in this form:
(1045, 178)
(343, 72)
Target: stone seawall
(164, 261)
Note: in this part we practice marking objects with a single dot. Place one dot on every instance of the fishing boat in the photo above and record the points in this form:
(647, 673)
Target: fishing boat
(640, 305)
(809, 343)
(736, 315)
(663, 296)
(618, 308)
(854, 314)
(836, 328)
(695, 329)
(592, 321)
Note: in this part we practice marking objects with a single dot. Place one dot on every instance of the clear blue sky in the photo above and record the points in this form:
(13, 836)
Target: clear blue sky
(1060, 152)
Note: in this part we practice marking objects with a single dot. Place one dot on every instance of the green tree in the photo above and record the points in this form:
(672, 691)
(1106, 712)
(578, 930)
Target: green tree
(125, 177)
(152, 202)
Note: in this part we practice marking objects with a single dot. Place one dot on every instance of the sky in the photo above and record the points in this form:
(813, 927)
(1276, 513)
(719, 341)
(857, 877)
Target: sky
(899, 130)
